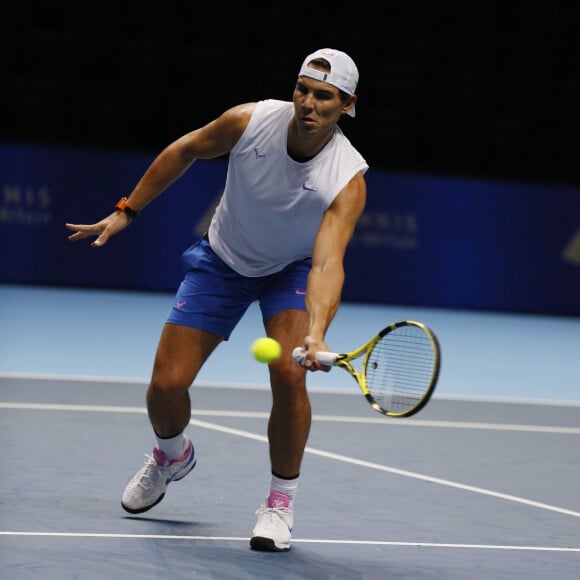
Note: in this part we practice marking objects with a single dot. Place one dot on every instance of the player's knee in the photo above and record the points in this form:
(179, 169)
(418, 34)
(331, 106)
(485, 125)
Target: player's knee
(287, 375)
(168, 386)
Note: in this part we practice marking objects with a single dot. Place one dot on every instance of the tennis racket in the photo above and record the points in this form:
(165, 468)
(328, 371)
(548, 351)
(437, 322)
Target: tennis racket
(399, 370)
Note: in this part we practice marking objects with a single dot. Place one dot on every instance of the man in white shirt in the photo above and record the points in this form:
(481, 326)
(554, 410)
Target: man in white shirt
(294, 191)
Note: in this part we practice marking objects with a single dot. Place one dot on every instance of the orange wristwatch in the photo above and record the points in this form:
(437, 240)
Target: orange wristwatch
(122, 206)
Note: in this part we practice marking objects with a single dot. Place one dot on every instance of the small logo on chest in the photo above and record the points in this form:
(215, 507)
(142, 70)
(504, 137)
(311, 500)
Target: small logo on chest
(259, 153)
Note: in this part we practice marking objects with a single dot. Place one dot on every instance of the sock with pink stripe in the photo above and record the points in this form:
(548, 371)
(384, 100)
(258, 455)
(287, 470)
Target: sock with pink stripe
(173, 447)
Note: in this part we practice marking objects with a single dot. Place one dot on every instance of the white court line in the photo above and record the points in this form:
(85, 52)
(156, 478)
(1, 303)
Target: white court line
(294, 540)
(403, 472)
(328, 418)
(354, 391)
(311, 450)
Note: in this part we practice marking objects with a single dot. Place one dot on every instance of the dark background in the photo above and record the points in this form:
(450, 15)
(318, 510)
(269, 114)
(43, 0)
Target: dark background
(484, 89)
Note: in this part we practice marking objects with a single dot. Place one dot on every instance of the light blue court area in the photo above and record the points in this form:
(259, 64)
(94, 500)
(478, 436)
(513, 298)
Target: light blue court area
(470, 488)
(113, 335)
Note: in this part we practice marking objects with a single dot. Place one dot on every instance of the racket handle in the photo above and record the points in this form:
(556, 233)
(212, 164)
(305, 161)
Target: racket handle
(326, 358)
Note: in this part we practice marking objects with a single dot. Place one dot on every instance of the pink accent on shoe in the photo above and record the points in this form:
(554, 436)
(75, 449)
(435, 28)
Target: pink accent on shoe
(278, 500)
(185, 455)
(160, 457)
(162, 460)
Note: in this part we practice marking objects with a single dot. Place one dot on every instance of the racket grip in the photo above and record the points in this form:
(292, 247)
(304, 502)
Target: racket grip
(326, 358)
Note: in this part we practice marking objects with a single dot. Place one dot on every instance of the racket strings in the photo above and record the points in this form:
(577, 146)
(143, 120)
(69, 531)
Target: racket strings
(399, 369)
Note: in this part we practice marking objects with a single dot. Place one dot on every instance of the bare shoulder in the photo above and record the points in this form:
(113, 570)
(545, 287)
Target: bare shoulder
(230, 125)
(352, 198)
(238, 115)
(220, 135)
(354, 191)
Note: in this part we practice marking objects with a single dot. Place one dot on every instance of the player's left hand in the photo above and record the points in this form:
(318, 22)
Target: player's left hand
(104, 229)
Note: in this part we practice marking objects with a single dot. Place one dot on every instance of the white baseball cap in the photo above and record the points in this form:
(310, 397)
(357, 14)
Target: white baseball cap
(343, 72)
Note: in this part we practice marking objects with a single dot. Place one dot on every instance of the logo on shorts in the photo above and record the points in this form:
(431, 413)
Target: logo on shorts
(308, 187)
(300, 292)
(180, 304)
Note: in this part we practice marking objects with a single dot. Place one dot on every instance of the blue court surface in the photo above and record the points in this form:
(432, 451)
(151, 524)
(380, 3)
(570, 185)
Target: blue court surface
(482, 483)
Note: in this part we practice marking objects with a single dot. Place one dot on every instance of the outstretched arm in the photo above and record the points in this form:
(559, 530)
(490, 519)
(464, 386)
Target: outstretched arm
(326, 278)
(213, 140)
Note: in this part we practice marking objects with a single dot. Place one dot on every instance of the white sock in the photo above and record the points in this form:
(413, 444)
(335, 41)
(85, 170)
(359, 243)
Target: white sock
(173, 447)
(285, 486)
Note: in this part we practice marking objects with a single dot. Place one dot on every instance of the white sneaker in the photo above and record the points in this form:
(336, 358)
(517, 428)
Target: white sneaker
(273, 531)
(147, 488)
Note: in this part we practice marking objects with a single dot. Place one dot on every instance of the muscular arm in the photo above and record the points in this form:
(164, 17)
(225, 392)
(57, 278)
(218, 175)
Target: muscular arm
(326, 278)
(213, 140)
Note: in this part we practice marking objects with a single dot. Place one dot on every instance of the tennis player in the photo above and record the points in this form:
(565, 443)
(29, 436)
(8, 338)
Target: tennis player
(294, 191)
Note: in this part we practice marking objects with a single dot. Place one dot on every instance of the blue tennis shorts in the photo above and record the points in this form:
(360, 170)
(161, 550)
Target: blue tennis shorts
(213, 297)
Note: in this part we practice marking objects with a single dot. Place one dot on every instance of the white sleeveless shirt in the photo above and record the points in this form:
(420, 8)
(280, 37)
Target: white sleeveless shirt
(272, 206)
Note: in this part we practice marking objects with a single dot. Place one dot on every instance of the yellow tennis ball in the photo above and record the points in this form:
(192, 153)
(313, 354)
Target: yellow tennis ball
(266, 350)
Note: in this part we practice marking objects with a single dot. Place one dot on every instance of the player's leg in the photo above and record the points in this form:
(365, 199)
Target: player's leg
(285, 320)
(200, 319)
(180, 354)
(290, 416)
(288, 430)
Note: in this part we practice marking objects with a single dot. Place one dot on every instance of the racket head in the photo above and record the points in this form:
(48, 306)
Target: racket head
(401, 368)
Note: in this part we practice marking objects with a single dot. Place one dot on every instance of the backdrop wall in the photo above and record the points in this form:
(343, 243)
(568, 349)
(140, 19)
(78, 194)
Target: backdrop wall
(424, 241)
